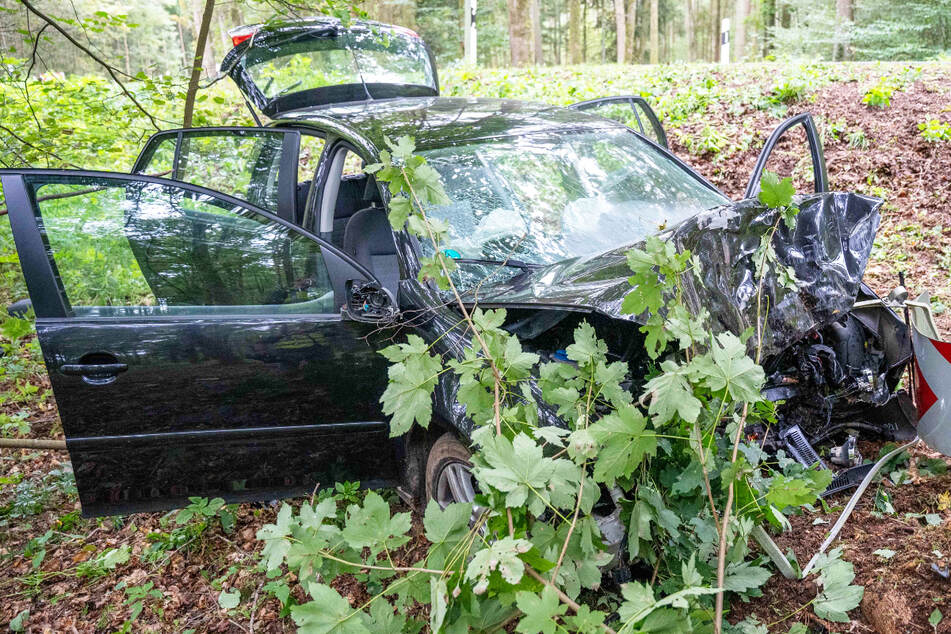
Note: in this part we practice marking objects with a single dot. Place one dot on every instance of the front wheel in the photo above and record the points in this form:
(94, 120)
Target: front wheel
(449, 472)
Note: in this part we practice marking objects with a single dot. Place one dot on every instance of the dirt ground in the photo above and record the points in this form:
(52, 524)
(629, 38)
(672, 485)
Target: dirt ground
(913, 175)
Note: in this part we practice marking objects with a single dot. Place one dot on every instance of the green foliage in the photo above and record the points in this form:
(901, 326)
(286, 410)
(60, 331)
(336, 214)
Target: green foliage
(880, 95)
(838, 595)
(535, 530)
(934, 130)
(201, 510)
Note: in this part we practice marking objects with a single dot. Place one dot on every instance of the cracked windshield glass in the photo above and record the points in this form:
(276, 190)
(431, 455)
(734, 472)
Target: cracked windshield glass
(545, 198)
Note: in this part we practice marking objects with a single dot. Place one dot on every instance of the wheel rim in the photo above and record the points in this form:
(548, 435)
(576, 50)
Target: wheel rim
(454, 484)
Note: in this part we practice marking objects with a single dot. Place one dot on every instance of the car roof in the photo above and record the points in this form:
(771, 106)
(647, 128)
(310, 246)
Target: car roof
(442, 121)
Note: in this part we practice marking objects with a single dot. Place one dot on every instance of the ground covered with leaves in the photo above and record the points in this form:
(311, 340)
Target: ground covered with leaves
(887, 132)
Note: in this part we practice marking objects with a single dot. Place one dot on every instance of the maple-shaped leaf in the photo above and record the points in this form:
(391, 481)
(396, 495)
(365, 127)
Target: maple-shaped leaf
(371, 525)
(727, 366)
(327, 613)
(671, 394)
(775, 193)
(275, 537)
(623, 441)
(501, 555)
(539, 610)
(413, 377)
(518, 469)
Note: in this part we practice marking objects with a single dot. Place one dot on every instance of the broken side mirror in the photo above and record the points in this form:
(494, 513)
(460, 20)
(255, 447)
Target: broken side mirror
(819, 175)
(369, 302)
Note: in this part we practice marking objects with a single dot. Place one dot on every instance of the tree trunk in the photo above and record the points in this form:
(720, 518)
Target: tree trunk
(574, 31)
(632, 48)
(536, 32)
(739, 29)
(689, 18)
(620, 17)
(520, 32)
(584, 31)
(844, 16)
(715, 12)
(196, 64)
(655, 35)
(768, 16)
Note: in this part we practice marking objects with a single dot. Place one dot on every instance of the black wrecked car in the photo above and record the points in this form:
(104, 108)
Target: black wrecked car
(211, 321)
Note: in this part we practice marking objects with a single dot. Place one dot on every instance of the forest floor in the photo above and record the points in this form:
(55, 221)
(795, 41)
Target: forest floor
(60, 572)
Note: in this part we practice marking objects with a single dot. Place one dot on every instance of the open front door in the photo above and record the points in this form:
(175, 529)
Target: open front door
(195, 343)
(631, 110)
(820, 178)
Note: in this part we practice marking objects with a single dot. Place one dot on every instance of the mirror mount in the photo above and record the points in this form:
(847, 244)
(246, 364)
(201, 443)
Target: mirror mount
(369, 302)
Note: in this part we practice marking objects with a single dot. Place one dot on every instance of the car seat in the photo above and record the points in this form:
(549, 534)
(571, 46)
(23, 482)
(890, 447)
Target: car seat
(368, 237)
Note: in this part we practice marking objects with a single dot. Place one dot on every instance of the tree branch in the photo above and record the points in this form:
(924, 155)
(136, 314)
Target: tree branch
(113, 72)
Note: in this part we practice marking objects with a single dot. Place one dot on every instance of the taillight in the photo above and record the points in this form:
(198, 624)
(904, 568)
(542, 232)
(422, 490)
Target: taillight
(242, 33)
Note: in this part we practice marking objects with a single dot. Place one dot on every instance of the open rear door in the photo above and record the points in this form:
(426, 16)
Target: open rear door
(297, 64)
(631, 110)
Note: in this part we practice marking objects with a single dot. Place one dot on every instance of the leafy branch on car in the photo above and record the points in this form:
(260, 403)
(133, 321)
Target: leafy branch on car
(689, 487)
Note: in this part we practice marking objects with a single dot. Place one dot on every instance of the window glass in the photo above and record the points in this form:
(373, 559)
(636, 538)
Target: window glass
(311, 147)
(545, 198)
(241, 163)
(130, 247)
(163, 158)
(352, 165)
(307, 60)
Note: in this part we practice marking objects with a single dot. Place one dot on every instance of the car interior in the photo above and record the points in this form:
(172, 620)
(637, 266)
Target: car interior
(351, 215)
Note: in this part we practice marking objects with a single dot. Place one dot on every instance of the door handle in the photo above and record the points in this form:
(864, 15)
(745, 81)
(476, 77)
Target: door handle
(94, 373)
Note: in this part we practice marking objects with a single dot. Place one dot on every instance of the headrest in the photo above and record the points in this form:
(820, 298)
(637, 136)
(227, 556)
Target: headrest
(371, 193)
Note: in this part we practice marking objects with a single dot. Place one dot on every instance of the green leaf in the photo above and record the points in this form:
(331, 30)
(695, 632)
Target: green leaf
(540, 611)
(775, 193)
(19, 622)
(229, 599)
(785, 492)
(519, 469)
(445, 528)
(834, 603)
(586, 621)
(412, 379)
(275, 539)
(671, 394)
(884, 553)
(727, 367)
(624, 443)
(501, 556)
(744, 576)
(114, 557)
(384, 620)
(328, 613)
(935, 618)
(371, 526)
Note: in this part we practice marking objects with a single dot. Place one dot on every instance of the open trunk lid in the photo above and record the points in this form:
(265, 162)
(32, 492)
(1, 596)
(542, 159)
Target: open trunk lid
(281, 67)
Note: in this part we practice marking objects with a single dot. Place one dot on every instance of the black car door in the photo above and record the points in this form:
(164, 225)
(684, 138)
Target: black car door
(631, 110)
(195, 343)
(820, 178)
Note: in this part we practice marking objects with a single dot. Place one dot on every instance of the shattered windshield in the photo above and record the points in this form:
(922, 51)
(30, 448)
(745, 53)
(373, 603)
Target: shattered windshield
(544, 198)
(308, 60)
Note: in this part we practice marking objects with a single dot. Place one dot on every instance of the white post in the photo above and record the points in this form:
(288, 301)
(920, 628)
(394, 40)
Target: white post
(469, 32)
(725, 41)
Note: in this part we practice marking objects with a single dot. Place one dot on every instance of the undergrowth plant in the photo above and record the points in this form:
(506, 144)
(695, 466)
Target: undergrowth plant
(672, 452)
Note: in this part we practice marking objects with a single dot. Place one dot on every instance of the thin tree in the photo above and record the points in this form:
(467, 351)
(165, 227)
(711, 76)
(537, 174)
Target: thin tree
(739, 29)
(620, 17)
(197, 63)
(520, 32)
(633, 49)
(844, 15)
(536, 32)
(574, 31)
(655, 32)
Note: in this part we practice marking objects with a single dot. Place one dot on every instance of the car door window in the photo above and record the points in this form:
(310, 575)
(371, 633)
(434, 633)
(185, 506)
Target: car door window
(794, 149)
(246, 163)
(125, 247)
(631, 110)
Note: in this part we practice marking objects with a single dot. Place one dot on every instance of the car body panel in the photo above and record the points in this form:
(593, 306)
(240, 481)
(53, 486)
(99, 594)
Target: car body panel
(231, 401)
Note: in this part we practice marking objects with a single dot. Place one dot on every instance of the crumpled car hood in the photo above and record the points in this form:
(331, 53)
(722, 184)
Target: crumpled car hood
(828, 249)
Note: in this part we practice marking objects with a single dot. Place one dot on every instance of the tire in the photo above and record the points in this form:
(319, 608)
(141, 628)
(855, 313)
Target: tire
(448, 458)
